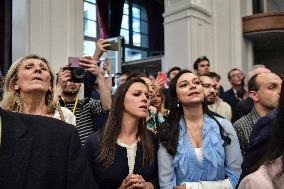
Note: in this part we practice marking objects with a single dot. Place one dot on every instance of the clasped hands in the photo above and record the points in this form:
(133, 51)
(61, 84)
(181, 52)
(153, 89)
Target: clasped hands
(133, 181)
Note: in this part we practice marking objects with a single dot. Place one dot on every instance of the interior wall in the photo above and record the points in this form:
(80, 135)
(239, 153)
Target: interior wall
(272, 59)
(195, 28)
(53, 29)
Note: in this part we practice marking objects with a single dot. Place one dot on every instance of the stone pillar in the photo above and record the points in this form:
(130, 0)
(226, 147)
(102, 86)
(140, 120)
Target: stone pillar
(50, 28)
(204, 27)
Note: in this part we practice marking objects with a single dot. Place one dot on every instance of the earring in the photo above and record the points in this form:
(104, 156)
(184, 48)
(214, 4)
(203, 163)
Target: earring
(178, 104)
(16, 87)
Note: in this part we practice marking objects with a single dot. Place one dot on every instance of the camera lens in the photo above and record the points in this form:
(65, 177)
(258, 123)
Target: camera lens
(78, 74)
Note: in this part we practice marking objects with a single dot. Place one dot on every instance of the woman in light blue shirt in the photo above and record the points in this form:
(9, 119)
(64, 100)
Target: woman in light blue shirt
(197, 149)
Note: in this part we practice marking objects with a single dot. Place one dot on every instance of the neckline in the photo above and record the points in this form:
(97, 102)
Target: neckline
(121, 143)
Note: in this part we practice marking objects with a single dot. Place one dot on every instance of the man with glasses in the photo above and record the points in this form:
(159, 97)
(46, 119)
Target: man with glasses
(215, 104)
(235, 77)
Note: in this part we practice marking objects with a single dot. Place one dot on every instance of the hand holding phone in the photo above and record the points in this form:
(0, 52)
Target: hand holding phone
(161, 79)
(78, 73)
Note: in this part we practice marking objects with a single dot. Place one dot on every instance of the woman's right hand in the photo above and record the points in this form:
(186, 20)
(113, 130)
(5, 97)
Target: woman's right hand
(127, 182)
(131, 181)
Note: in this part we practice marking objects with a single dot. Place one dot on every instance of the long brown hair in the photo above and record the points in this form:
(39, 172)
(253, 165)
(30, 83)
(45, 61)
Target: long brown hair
(112, 128)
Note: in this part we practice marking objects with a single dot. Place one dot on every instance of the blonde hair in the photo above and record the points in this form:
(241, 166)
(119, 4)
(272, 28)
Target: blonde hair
(12, 100)
(161, 109)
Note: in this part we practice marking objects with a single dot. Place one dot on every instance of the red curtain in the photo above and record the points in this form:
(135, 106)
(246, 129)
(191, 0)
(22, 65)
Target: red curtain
(109, 17)
(5, 35)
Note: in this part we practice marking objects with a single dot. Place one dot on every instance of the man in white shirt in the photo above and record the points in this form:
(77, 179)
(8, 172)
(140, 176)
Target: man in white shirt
(215, 104)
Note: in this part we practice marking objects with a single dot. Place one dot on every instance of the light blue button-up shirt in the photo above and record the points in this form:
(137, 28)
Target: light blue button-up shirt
(219, 162)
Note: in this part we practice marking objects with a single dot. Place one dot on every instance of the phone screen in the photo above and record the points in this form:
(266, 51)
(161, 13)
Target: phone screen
(161, 76)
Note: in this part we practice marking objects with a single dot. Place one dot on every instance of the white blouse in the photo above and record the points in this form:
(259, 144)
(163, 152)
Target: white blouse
(69, 117)
(199, 155)
(131, 153)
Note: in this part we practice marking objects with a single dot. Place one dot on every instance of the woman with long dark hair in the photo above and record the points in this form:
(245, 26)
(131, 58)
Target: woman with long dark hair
(123, 154)
(269, 172)
(197, 149)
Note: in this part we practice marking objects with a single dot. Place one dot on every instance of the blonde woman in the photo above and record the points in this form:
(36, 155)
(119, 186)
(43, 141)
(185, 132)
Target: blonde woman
(29, 88)
(159, 102)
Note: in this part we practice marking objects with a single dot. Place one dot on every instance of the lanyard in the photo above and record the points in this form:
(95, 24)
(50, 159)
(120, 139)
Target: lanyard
(75, 105)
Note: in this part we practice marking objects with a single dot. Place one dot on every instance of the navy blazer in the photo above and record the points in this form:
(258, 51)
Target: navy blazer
(230, 97)
(41, 152)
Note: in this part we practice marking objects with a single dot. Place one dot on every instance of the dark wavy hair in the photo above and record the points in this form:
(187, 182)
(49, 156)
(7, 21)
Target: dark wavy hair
(168, 133)
(109, 134)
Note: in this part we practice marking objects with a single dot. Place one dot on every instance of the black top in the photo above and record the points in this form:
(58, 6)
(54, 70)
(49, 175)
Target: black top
(112, 177)
(41, 152)
(243, 108)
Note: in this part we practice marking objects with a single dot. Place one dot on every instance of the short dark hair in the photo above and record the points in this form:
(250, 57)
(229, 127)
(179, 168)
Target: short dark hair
(212, 75)
(173, 69)
(198, 60)
(234, 69)
(252, 84)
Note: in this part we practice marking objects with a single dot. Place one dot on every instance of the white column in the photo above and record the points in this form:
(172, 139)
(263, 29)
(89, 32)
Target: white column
(50, 28)
(205, 27)
(188, 32)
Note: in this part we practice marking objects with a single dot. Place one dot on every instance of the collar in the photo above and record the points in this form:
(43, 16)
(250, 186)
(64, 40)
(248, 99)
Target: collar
(254, 116)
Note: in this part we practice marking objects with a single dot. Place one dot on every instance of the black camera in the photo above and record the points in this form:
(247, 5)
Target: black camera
(77, 73)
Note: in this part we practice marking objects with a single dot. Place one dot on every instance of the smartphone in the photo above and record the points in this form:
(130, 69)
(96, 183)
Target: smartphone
(73, 61)
(162, 76)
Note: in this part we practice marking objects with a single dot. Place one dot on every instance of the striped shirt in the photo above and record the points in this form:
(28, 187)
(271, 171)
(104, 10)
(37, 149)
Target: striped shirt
(243, 127)
(85, 110)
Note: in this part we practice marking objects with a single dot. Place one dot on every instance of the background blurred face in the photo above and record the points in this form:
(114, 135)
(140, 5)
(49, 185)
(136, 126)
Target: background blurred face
(136, 101)
(189, 89)
(203, 67)
(269, 89)
(173, 74)
(122, 79)
(72, 88)
(157, 99)
(209, 87)
(150, 86)
(33, 76)
(236, 77)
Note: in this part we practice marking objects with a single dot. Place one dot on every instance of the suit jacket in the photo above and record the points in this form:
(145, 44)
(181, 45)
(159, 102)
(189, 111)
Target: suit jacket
(243, 108)
(230, 97)
(41, 152)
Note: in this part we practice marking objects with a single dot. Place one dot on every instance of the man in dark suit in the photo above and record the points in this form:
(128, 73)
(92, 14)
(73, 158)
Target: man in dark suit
(41, 152)
(235, 77)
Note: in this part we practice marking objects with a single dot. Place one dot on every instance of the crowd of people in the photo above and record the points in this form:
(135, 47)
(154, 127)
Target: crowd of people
(179, 131)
